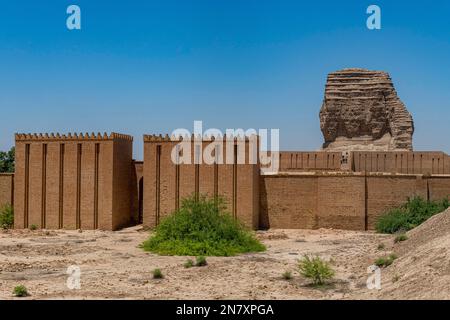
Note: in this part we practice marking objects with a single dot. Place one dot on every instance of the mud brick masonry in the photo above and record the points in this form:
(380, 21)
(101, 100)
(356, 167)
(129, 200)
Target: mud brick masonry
(73, 181)
(90, 181)
(166, 183)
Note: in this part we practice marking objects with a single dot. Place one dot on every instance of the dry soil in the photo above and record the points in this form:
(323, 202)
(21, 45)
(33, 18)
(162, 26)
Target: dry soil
(114, 267)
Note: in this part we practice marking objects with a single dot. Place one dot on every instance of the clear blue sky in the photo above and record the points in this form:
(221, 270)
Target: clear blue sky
(152, 66)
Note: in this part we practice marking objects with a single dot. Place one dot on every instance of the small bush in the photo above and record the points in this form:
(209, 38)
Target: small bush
(384, 262)
(7, 217)
(395, 278)
(157, 274)
(381, 262)
(381, 246)
(408, 216)
(315, 269)
(20, 291)
(33, 227)
(189, 263)
(393, 256)
(400, 238)
(201, 261)
(287, 275)
(201, 226)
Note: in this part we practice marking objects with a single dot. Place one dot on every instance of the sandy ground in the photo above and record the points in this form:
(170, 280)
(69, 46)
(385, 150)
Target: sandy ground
(422, 270)
(114, 267)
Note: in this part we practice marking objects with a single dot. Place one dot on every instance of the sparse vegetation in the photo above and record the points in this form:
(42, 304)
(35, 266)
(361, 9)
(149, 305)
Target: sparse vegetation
(287, 275)
(316, 269)
(408, 216)
(393, 256)
(20, 291)
(395, 278)
(157, 274)
(384, 262)
(201, 261)
(381, 246)
(7, 217)
(33, 227)
(189, 263)
(201, 226)
(400, 238)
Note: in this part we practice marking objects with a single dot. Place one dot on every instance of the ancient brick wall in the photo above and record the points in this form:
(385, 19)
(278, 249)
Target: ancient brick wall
(310, 160)
(401, 162)
(136, 196)
(388, 191)
(288, 201)
(91, 181)
(311, 201)
(167, 183)
(6, 189)
(73, 181)
(342, 200)
(438, 187)
(123, 184)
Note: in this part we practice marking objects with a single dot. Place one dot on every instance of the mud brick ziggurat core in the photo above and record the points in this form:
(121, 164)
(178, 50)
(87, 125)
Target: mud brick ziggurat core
(90, 181)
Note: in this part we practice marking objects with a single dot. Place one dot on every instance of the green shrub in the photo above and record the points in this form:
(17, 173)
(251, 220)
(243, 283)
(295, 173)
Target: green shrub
(382, 262)
(33, 227)
(287, 275)
(20, 291)
(393, 256)
(400, 238)
(408, 216)
(381, 246)
(201, 261)
(202, 227)
(157, 274)
(189, 263)
(385, 261)
(315, 269)
(7, 217)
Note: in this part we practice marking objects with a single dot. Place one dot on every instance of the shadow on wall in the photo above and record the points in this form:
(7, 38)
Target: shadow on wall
(264, 221)
(141, 201)
(137, 191)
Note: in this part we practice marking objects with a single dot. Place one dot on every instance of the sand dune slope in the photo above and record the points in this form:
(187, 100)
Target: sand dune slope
(422, 270)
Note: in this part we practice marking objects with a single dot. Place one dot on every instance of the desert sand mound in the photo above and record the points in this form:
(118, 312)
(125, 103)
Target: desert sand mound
(422, 270)
(435, 229)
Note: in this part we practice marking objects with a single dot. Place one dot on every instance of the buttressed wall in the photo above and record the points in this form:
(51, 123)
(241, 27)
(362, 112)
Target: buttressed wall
(166, 183)
(91, 181)
(401, 162)
(307, 161)
(406, 162)
(73, 181)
